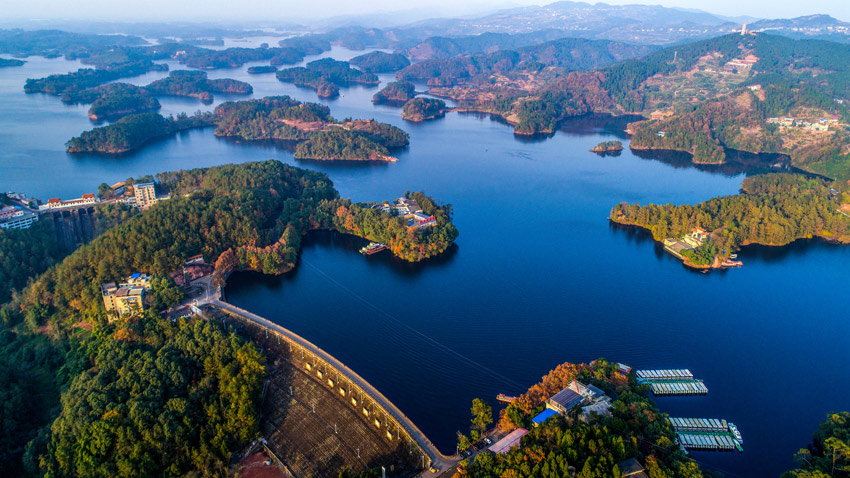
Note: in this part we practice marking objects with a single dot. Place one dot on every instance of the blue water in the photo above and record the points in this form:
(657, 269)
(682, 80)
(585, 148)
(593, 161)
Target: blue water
(538, 276)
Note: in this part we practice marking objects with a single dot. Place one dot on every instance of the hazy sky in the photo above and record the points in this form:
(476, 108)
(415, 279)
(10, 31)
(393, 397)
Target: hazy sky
(224, 10)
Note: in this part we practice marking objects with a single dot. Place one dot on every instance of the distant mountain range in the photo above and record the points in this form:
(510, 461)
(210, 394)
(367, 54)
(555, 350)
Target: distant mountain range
(647, 24)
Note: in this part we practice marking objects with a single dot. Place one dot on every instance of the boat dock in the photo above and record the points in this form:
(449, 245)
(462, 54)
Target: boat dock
(707, 434)
(672, 382)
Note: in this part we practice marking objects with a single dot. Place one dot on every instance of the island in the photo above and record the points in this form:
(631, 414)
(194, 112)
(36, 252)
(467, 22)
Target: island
(395, 93)
(114, 100)
(89, 77)
(316, 133)
(607, 147)
(195, 84)
(257, 70)
(421, 109)
(772, 209)
(380, 62)
(326, 76)
(133, 131)
(8, 62)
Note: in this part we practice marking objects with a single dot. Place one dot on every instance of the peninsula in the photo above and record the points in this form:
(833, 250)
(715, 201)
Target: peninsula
(133, 131)
(395, 93)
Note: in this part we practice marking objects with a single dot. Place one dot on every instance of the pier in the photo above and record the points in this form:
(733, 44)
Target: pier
(672, 382)
(707, 434)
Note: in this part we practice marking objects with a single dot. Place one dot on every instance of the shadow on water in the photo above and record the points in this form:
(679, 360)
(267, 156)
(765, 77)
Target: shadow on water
(737, 163)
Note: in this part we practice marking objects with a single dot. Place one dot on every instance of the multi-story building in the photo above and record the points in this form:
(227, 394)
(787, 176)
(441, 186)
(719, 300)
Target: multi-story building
(145, 195)
(126, 297)
(56, 203)
(14, 217)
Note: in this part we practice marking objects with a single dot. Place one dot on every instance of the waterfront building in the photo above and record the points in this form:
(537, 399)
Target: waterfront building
(16, 217)
(87, 199)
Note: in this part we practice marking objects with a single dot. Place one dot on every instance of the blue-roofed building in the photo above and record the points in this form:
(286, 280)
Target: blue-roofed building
(543, 416)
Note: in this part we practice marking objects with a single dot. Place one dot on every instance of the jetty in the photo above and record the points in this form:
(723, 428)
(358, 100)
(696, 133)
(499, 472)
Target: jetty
(671, 382)
(707, 434)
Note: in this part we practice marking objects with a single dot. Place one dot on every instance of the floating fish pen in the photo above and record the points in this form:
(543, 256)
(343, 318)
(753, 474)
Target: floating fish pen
(689, 387)
(656, 375)
(707, 434)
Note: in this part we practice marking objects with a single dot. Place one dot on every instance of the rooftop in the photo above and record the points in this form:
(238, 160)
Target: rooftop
(511, 440)
(630, 467)
(543, 416)
(566, 398)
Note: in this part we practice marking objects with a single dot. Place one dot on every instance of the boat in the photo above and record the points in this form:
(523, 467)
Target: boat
(504, 398)
(736, 433)
(730, 263)
(372, 248)
(733, 256)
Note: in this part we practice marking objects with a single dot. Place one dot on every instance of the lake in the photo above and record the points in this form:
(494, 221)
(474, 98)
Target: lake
(538, 275)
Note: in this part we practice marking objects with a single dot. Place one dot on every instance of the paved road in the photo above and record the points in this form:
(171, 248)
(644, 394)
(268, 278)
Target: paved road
(437, 458)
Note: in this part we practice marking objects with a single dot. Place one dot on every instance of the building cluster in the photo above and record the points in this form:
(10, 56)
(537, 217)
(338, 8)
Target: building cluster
(697, 237)
(591, 400)
(410, 210)
(126, 297)
(660, 114)
(17, 212)
(821, 124)
(53, 204)
(141, 195)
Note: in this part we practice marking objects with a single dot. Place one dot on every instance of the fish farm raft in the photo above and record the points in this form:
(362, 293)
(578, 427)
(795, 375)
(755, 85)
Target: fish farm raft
(707, 434)
(672, 382)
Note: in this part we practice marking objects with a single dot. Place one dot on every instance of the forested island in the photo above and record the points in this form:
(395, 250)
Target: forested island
(421, 109)
(259, 70)
(133, 131)
(395, 93)
(88, 78)
(195, 84)
(380, 62)
(326, 76)
(8, 62)
(318, 134)
(607, 147)
(114, 100)
(772, 209)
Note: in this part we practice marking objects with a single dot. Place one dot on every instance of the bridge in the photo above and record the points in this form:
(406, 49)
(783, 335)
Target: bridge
(320, 416)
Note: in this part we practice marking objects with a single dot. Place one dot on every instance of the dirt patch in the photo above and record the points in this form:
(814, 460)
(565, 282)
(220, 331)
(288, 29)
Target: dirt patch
(256, 465)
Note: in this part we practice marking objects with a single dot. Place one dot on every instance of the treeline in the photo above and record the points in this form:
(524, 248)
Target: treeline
(340, 144)
(9, 62)
(133, 131)
(54, 43)
(828, 456)
(772, 209)
(196, 84)
(411, 244)
(420, 109)
(396, 92)
(636, 429)
(380, 62)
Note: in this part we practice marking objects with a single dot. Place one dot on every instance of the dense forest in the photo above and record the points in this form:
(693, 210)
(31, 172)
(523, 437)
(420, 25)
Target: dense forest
(88, 78)
(157, 398)
(259, 70)
(133, 131)
(772, 209)
(26, 253)
(318, 134)
(195, 84)
(636, 429)
(55, 43)
(421, 109)
(380, 62)
(828, 456)
(396, 92)
(114, 100)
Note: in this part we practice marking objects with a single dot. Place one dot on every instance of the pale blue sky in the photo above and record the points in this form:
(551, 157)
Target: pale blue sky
(223, 10)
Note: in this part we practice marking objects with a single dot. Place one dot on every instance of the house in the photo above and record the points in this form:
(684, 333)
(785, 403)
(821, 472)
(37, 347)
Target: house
(623, 369)
(564, 401)
(57, 203)
(16, 217)
(122, 300)
(631, 468)
(696, 238)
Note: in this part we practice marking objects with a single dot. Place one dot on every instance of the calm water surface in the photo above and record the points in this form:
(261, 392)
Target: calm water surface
(538, 276)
